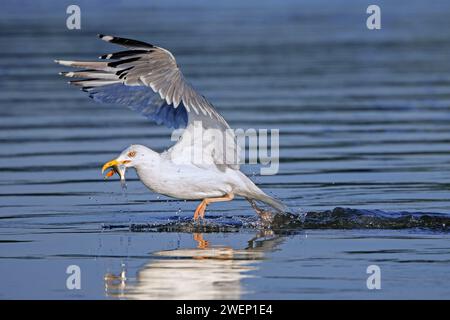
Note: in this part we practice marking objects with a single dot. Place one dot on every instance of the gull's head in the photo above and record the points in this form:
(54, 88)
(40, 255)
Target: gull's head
(131, 157)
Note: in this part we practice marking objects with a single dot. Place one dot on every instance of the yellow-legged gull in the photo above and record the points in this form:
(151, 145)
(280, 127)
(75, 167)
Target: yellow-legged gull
(146, 78)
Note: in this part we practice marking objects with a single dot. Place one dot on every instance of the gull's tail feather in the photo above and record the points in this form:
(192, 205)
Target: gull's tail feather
(252, 192)
(274, 203)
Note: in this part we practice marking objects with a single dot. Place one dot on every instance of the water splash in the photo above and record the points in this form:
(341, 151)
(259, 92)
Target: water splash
(338, 218)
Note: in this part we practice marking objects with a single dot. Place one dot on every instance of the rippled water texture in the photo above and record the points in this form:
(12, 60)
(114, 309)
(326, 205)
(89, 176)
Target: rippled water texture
(364, 119)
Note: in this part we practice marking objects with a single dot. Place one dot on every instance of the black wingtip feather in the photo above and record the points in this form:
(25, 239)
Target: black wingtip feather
(118, 73)
(119, 62)
(124, 54)
(126, 42)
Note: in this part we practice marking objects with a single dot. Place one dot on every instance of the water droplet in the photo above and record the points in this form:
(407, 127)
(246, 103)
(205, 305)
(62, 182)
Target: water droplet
(123, 185)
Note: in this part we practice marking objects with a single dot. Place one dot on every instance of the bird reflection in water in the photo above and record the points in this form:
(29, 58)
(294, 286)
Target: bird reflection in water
(205, 272)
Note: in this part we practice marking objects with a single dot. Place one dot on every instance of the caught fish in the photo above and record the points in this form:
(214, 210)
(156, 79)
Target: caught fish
(115, 167)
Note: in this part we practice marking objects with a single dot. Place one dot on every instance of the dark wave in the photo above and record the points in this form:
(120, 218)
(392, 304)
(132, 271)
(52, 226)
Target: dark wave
(346, 218)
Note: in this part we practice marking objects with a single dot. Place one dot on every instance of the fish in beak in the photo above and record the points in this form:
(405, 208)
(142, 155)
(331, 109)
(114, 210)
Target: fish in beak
(116, 166)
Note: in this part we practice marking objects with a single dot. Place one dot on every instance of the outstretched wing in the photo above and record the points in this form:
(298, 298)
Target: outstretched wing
(146, 78)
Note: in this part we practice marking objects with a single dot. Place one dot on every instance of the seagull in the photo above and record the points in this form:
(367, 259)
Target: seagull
(147, 79)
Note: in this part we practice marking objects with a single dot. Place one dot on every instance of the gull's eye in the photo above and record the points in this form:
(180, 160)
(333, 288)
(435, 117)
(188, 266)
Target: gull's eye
(131, 154)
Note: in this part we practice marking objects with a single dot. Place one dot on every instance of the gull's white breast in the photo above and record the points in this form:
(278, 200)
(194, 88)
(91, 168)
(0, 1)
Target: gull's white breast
(187, 181)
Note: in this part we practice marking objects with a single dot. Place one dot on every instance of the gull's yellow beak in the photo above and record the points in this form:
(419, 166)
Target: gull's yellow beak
(110, 164)
(114, 164)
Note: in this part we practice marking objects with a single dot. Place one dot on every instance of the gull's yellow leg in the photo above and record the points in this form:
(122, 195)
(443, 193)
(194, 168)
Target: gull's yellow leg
(200, 211)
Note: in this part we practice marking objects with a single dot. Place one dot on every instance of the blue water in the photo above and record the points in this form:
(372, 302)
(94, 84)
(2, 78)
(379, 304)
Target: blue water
(364, 120)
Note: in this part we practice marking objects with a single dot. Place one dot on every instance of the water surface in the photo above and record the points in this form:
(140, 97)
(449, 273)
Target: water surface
(364, 119)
